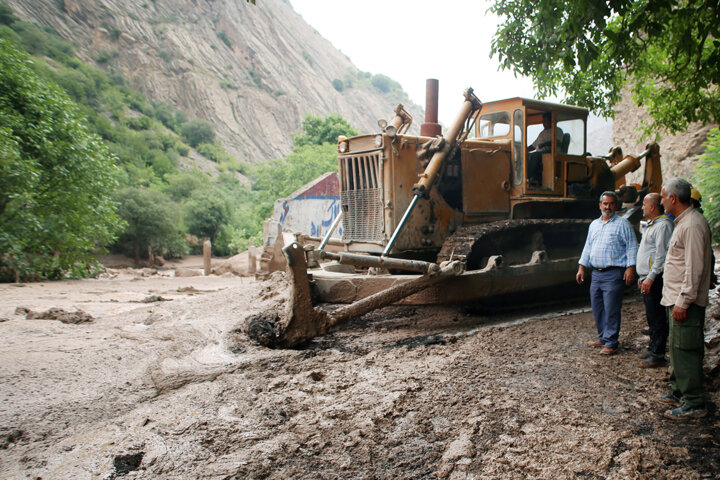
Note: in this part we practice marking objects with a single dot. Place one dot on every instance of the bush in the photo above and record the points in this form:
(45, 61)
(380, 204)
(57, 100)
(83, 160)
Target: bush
(56, 180)
(198, 131)
(181, 185)
(707, 176)
(382, 83)
(152, 221)
(338, 85)
(206, 212)
(323, 130)
(223, 36)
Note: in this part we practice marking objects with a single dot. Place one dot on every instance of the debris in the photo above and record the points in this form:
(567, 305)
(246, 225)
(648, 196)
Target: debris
(56, 313)
(153, 299)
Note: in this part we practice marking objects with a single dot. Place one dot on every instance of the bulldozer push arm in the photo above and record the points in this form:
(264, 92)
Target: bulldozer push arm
(443, 146)
(303, 322)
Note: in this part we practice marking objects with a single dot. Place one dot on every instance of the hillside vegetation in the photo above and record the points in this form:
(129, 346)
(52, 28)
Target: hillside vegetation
(152, 180)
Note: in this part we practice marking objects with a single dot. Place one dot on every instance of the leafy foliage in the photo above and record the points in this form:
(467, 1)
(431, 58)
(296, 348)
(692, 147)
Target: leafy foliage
(281, 176)
(152, 221)
(143, 146)
(57, 177)
(707, 174)
(667, 52)
(206, 212)
(391, 89)
(198, 131)
(323, 130)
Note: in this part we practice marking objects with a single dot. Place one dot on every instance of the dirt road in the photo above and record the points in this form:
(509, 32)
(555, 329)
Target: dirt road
(172, 388)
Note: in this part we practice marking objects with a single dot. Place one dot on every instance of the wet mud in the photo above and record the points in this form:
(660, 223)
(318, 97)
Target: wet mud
(178, 390)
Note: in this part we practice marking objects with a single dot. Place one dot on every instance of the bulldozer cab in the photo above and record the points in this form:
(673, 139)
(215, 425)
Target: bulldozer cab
(547, 143)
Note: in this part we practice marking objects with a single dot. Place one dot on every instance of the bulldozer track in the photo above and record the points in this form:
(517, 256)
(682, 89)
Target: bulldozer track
(515, 240)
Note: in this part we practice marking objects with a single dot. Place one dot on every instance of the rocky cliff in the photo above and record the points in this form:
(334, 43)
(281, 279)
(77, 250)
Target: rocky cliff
(679, 152)
(254, 71)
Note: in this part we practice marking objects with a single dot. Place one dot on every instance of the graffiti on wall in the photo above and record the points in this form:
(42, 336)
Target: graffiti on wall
(308, 215)
(331, 212)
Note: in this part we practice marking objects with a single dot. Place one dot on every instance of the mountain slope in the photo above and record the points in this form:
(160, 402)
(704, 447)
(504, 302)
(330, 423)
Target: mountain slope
(254, 71)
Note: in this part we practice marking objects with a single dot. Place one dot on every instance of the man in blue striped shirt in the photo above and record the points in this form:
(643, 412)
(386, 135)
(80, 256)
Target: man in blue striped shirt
(610, 250)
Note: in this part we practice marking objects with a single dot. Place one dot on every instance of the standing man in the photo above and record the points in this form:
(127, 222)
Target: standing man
(610, 250)
(650, 264)
(685, 294)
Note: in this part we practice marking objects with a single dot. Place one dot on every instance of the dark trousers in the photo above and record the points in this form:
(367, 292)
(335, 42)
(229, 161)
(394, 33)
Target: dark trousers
(657, 318)
(535, 165)
(687, 348)
(606, 292)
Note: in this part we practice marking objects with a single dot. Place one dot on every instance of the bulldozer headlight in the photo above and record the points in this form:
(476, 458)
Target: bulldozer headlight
(378, 141)
(342, 147)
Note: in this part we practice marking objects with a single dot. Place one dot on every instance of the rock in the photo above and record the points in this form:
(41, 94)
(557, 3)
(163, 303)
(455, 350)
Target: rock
(63, 316)
(264, 42)
(237, 265)
(187, 272)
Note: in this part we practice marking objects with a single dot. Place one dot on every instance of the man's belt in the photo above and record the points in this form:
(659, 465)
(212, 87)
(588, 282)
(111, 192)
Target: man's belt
(608, 268)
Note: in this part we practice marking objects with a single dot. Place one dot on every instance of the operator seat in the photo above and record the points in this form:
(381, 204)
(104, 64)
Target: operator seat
(565, 144)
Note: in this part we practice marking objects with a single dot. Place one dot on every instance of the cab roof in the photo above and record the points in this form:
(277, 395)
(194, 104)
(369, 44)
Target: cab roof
(535, 106)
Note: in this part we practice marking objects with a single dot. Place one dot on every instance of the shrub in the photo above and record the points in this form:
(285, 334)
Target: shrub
(152, 221)
(707, 175)
(206, 212)
(223, 36)
(197, 131)
(56, 180)
(338, 85)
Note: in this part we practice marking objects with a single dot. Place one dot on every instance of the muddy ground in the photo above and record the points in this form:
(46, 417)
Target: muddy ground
(163, 383)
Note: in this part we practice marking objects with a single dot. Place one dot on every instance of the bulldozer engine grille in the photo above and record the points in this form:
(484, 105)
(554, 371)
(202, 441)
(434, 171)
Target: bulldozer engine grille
(361, 197)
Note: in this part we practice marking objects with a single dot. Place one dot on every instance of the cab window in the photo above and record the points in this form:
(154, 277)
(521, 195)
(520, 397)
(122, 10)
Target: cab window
(494, 125)
(575, 128)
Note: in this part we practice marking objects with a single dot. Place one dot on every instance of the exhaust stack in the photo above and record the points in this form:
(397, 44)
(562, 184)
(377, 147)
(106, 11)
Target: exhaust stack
(431, 127)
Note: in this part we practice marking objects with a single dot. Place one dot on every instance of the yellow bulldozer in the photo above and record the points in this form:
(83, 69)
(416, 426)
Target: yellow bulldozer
(495, 209)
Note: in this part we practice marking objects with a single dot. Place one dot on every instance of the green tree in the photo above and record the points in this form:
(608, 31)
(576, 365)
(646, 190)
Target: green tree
(384, 83)
(57, 179)
(152, 221)
(707, 174)
(181, 185)
(667, 52)
(206, 212)
(198, 131)
(7, 16)
(281, 176)
(317, 130)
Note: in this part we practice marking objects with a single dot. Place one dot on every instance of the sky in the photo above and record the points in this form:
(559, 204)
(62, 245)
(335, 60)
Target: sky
(413, 40)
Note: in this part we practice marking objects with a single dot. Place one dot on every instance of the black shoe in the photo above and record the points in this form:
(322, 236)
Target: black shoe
(685, 411)
(670, 398)
(645, 354)
(653, 361)
(645, 331)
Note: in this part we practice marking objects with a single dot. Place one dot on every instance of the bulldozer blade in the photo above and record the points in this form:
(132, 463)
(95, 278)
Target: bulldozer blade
(304, 322)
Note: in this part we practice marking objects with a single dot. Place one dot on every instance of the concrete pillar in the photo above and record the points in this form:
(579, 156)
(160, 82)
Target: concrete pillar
(252, 260)
(207, 248)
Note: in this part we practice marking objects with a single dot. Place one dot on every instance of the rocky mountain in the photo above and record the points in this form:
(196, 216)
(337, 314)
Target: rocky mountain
(679, 152)
(254, 71)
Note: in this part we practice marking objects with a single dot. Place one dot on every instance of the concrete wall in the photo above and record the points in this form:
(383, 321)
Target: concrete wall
(310, 210)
